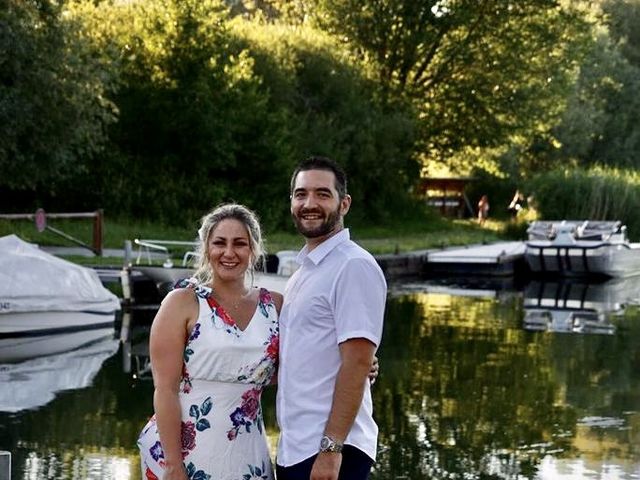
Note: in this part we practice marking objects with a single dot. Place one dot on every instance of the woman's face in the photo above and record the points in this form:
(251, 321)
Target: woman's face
(229, 250)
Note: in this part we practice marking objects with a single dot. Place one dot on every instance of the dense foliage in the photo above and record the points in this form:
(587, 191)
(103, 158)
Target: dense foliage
(162, 108)
(593, 194)
(53, 104)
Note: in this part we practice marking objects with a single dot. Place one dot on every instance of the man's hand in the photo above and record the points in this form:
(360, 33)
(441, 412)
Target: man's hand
(326, 466)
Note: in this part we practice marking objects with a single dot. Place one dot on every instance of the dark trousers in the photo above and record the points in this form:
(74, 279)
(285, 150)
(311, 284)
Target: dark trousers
(355, 466)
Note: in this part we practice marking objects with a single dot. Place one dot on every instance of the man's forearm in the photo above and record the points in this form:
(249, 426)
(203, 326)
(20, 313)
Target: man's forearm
(347, 398)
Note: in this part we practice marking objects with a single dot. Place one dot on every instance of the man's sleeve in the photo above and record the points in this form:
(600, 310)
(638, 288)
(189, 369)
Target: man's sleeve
(359, 300)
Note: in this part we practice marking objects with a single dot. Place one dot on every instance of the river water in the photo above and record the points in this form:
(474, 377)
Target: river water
(479, 380)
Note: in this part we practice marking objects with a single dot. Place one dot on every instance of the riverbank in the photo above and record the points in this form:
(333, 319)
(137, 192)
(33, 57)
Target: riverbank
(433, 232)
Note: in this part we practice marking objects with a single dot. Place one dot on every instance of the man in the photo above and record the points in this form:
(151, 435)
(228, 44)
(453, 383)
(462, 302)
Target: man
(330, 328)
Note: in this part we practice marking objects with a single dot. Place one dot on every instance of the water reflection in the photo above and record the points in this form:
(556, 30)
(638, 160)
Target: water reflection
(578, 307)
(36, 381)
(466, 391)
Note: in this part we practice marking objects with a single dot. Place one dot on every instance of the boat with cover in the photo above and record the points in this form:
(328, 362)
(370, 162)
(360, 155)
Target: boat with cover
(577, 248)
(41, 294)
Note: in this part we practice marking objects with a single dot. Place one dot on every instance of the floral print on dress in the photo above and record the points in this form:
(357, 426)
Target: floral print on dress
(265, 301)
(149, 475)
(262, 372)
(247, 414)
(201, 411)
(185, 383)
(255, 472)
(194, 474)
(212, 370)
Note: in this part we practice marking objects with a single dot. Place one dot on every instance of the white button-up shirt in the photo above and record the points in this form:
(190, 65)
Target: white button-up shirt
(338, 293)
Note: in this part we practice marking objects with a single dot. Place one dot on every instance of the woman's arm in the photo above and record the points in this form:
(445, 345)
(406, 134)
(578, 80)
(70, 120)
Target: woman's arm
(167, 341)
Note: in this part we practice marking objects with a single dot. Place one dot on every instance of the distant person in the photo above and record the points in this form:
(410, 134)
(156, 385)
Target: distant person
(330, 327)
(517, 203)
(214, 347)
(483, 209)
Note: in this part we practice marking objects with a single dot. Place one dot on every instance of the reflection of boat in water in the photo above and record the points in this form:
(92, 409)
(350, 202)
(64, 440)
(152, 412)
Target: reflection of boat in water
(41, 294)
(482, 287)
(578, 307)
(35, 382)
(581, 248)
(17, 349)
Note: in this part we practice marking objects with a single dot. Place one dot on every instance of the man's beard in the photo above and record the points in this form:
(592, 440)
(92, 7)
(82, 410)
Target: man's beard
(326, 227)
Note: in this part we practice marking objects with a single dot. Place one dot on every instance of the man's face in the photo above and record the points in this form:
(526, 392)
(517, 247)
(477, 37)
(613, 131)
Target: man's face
(316, 207)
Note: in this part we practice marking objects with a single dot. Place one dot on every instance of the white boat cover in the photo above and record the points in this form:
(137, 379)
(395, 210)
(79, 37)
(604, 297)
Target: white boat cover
(32, 280)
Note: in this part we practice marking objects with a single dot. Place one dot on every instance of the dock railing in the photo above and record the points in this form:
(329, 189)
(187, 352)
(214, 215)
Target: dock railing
(40, 217)
(147, 246)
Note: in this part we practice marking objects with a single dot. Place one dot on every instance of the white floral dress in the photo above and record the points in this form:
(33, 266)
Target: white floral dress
(224, 372)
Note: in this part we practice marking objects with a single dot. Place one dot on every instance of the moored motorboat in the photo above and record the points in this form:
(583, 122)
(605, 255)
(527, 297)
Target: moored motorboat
(581, 248)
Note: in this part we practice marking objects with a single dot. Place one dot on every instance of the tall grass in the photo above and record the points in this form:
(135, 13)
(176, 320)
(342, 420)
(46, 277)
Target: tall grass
(598, 193)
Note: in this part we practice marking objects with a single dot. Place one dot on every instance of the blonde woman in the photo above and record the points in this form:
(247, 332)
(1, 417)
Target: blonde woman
(214, 347)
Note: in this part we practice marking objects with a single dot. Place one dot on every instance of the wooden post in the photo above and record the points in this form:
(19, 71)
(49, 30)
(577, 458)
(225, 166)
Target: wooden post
(98, 223)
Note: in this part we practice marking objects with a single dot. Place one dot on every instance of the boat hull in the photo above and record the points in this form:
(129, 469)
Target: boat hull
(38, 324)
(583, 259)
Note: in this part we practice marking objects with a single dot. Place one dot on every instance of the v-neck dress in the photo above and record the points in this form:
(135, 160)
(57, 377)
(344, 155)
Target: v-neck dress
(224, 372)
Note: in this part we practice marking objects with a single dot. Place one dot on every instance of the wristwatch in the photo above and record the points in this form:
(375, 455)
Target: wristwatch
(328, 444)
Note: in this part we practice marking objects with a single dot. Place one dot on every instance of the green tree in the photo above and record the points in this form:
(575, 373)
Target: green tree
(601, 124)
(194, 128)
(480, 73)
(53, 102)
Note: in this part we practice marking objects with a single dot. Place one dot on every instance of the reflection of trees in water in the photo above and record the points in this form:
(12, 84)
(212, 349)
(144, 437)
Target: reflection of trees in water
(462, 387)
(105, 418)
(601, 375)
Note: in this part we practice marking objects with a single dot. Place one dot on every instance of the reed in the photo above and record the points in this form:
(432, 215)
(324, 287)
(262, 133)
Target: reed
(599, 193)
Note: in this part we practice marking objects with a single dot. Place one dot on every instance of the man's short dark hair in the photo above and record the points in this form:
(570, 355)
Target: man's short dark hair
(323, 163)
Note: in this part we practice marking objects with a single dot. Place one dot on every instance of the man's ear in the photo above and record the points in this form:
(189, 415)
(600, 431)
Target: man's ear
(345, 204)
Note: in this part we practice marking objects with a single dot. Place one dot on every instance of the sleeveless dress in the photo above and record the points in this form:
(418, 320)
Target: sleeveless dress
(224, 372)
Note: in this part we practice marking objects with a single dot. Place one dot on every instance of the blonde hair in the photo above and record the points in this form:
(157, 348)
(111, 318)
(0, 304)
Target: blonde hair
(234, 211)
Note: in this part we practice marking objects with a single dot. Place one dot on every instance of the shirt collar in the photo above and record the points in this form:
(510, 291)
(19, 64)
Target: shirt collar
(317, 254)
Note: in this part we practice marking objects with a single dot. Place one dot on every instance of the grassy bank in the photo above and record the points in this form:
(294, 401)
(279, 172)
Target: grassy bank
(433, 232)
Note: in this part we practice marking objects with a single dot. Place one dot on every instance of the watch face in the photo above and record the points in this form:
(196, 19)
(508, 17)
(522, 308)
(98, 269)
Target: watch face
(324, 443)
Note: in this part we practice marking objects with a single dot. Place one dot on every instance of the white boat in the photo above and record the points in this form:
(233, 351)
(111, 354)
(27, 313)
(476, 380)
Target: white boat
(581, 248)
(578, 307)
(41, 294)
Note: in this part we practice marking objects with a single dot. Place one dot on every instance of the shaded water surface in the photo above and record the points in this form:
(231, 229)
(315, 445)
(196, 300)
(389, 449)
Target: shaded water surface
(482, 382)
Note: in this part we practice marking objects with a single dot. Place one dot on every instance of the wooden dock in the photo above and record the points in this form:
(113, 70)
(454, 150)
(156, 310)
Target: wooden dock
(495, 259)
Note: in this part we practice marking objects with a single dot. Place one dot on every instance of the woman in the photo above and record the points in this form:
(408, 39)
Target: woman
(213, 346)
